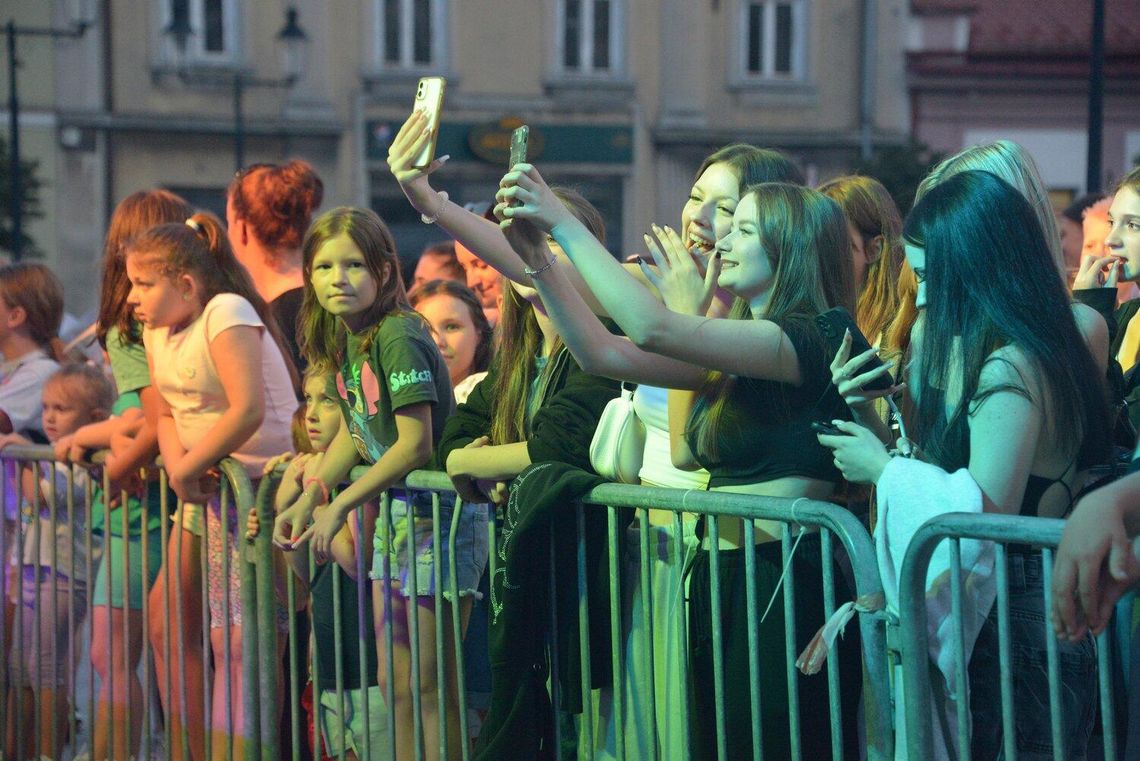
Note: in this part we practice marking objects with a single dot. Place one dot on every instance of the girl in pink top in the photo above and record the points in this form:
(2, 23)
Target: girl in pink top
(225, 390)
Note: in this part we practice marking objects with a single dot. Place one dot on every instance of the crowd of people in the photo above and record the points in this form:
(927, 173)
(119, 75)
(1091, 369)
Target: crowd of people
(1001, 347)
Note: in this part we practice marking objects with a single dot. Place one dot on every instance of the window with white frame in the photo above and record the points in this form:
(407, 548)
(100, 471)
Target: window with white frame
(773, 39)
(588, 37)
(213, 28)
(410, 33)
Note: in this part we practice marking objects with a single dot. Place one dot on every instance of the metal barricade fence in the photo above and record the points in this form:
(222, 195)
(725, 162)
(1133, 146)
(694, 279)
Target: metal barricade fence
(1038, 535)
(833, 522)
(110, 633)
(205, 713)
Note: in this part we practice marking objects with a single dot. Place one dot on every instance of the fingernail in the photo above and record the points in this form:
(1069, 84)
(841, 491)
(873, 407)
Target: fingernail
(444, 158)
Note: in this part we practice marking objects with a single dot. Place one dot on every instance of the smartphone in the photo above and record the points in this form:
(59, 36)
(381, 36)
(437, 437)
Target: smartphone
(429, 99)
(827, 429)
(833, 324)
(519, 139)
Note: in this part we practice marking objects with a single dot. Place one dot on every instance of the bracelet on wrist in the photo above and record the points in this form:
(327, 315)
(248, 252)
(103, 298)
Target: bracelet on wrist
(531, 273)
(429, 219)
(323, 487)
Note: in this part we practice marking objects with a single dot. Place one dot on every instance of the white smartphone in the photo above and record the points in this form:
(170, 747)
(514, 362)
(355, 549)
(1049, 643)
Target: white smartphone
(519, 140)
(429, 99)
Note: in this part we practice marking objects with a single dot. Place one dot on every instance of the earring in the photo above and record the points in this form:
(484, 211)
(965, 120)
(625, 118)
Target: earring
(186, 297)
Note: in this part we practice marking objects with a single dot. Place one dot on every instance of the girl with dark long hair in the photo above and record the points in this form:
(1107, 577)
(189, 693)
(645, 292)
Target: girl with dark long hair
(1006, 387)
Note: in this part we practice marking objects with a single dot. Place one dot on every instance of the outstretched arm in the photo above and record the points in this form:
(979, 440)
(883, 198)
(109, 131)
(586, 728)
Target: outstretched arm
(596, 350)
(476, 233)
(693, 337)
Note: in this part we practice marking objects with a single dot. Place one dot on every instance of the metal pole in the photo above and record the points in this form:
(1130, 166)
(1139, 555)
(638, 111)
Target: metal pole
(1096, 100)
(15, 181)
(239, 124)
(867, 82)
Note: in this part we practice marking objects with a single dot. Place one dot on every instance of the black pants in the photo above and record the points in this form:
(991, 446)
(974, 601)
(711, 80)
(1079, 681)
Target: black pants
(815, 728)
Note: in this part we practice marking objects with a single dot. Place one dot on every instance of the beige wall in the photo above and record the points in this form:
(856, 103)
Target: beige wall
(675, 93)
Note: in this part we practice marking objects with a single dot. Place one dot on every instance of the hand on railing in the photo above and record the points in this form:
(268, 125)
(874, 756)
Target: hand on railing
(193, 486)
(1096, 562)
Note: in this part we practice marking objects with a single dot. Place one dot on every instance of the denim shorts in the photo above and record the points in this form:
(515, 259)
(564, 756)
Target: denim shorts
(1028, 670)
(471, 545)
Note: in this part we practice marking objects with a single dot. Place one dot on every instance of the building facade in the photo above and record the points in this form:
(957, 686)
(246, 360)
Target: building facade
(623, 97)
(1019, 69)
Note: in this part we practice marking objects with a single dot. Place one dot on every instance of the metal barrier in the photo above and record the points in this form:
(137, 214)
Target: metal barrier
(200, 710)
(832, 521)
(1004, 530)
(118, 716)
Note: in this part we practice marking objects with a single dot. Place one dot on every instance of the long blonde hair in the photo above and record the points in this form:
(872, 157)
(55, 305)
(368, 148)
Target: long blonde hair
(1007, 161)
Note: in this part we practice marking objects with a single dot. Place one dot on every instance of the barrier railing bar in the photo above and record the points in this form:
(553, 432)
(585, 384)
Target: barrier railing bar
(790, 643)
(363, 626)
(125, 644)
(250, 646)
(645, 639)
(1052, 658)
(457, 627)
(440, 641)
(182, 699)
(680, 622)
(89, 624)
(617, 642)
(314, 653)
(584, 631)
(1107, 708)
(958, 643)
(35, 680)
(1009, 729)
(265, 594)
(338, 654)
(555, 686)
(389, 656)
(717, 641)
(294, 677)
(833, 703)
(753, 640)
(207, 649)
(144, 546)
(411, 602)
(110, 678)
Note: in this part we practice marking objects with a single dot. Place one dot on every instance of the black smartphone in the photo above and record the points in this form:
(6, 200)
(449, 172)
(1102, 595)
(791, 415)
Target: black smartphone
(833, 324)
(827, 429)
(519, 139)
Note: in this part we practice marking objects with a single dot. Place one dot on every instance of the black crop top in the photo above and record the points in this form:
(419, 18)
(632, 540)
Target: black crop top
(765, 432)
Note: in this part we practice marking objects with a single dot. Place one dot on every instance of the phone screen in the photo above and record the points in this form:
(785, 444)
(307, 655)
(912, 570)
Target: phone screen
(519, 139)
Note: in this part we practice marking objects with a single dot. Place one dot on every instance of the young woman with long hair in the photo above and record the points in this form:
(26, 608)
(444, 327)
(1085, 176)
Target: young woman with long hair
(785, 260)
(1006, 387)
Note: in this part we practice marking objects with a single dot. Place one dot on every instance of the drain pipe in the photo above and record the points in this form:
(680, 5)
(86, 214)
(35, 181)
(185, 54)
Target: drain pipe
(867, 83)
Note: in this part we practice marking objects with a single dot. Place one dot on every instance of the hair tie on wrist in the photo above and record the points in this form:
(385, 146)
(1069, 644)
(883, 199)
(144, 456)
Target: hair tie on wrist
(430, 219)
(324, 487)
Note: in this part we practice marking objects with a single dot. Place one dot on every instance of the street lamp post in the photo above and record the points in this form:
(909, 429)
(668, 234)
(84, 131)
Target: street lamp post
(292, 39)
(78, 28)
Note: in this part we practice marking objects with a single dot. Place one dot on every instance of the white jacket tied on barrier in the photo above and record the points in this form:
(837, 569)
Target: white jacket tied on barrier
(909, 493)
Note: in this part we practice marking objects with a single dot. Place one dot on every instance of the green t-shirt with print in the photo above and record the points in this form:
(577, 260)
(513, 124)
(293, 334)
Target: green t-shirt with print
(400, 367)
(129, 368)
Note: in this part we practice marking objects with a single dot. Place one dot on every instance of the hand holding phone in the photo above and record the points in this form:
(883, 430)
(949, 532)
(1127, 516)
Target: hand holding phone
(519, 140)
(826, 428)
(834, 324)
(429, 99)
